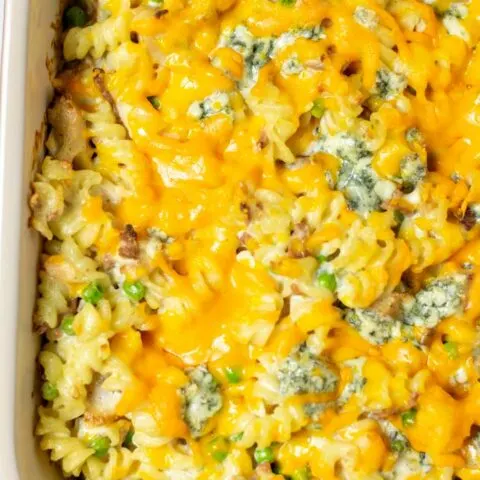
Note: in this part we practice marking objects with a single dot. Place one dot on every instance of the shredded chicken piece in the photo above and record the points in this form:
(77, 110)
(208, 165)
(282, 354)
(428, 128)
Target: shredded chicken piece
(261, 471)
(391, 305)
(128, 243)
(68, 128)
(96, 419)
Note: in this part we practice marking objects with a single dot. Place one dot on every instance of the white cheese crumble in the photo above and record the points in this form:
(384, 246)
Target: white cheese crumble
(452, 21)
(366, 17)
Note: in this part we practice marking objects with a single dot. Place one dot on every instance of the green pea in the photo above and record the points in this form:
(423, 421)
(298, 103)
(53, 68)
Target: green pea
(135, 290)
(67, 325)
(288, 3)
(397, 445)
(318, 108)
(236, 437)
(321, 258)
(263, 455)
(74, 17)
(93, 293)
(219, 456)
(128, 440)
(301, 474)
(49, 391)
(155, 101)
(452, 350)
(327, 280)
(100, 445)
(233, 374)
(408, 417)
(218, 449)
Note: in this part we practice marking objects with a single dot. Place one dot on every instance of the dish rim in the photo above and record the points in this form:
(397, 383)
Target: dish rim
(13, 65)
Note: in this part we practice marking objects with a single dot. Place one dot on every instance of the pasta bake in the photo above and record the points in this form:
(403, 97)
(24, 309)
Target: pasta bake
(262, 241)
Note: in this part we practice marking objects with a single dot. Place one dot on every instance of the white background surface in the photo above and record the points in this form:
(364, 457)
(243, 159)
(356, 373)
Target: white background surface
(2, 7)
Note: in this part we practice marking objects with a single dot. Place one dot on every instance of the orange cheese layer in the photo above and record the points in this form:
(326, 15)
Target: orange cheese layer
(191, 177)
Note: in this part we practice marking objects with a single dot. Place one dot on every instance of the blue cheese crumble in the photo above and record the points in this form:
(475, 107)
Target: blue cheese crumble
(439, 299)
(362, 187)
(291, 66)
(215, 104)
(201, 399)
(398, 441)
(258, 51)
(389, 84)
(452, 21)
(414, 136)
(372, 326)
(412, 172)
(314, 410)
(409, 462)
(301, 373)
(355, 386)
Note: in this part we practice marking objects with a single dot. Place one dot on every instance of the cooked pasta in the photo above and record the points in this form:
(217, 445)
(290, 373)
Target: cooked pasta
(261, 256)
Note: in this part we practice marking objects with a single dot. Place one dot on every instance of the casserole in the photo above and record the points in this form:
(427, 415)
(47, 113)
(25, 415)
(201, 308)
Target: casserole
(296, 333)
(24, 95)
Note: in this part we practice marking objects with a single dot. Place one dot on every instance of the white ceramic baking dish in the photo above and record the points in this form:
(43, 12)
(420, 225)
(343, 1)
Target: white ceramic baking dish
(24, 94)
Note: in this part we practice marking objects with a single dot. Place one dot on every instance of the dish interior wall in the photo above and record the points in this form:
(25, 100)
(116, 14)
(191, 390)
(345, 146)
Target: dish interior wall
(31, 462)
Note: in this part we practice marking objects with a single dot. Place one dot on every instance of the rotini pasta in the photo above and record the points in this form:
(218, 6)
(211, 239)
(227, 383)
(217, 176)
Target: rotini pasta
(96, 39)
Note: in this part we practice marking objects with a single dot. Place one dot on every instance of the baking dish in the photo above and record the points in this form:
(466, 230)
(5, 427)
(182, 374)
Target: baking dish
(25, 91)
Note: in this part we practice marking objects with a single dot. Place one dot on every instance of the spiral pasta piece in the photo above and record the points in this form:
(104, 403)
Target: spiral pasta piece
(96, 39)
